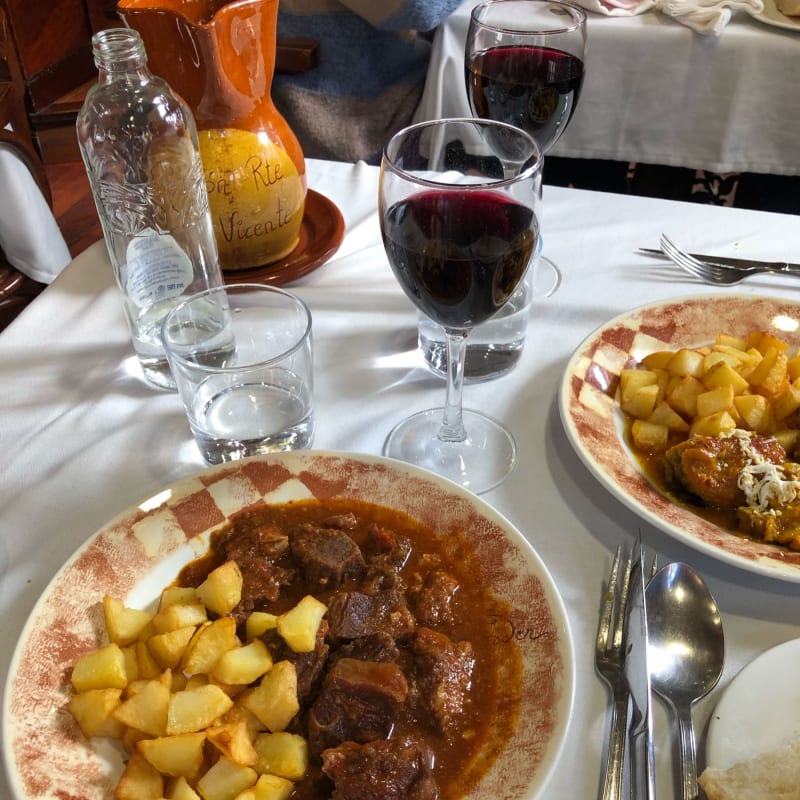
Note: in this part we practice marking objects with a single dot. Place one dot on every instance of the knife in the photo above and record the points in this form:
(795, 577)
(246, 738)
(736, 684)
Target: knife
(640, 730)
(736, 263)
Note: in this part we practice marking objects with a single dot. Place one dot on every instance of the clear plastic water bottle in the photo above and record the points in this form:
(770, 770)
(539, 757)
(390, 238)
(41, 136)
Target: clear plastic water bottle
(139, 145)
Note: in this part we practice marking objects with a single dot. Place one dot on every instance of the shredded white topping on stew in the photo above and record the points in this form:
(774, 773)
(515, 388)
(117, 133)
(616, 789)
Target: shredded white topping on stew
(764, 484)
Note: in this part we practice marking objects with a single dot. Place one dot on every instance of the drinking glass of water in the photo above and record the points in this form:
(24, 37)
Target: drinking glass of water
(242, 359)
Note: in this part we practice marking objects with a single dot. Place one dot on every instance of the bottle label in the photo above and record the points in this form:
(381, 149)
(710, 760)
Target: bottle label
(158, 269)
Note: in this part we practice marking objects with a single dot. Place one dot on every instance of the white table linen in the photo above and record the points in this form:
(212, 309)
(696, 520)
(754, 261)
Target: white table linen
(656, 92)
(29, 234)
(83, 437)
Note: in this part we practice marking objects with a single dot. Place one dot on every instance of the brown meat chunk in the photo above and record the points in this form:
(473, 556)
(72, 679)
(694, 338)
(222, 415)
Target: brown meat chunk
(353, 615)
(442, 678)
(359, 701)
(381, 770)
(325, 555)
(708, 466)
(431, 601)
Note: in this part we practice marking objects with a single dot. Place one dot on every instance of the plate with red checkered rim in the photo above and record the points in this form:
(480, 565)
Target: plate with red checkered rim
(595, 424)
(142, 550)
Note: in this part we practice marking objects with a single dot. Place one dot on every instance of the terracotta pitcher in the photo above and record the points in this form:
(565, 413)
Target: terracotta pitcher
(220, 57)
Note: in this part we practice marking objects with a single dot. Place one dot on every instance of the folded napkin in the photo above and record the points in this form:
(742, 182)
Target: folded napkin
(703, 16)
(29, 235)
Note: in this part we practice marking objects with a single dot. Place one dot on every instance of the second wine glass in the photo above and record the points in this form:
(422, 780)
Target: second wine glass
(524, 65)
(459, 210)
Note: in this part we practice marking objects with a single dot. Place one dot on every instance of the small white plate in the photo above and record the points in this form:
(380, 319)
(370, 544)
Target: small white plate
(595, 425)
(760, 709)
(771, 16)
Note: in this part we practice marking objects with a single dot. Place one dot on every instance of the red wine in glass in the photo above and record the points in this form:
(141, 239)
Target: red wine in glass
(459, 204)
(459, 255)
(533, 87)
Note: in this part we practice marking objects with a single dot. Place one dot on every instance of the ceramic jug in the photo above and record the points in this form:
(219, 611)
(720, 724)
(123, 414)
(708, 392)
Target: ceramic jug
(220, 57)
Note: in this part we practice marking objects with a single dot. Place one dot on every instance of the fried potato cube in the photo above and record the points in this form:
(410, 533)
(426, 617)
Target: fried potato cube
(195, 709)
(239, 713)
(243, 665)
(632, 379)
(140, 781)
(179, 615)
(283, 754)
(729, 341)
(793, 367)
(268, 787)
(225, 780)
(147, 666)
(755, 411)
(177, 594)
(657, 360)
(131, 663)
(723, 374)
(683, 395)
(146, 710)
(763, 341)
(123, 624)
(665, 414)
(201, 679)
(713, 425)
(233, 740)
(258, 623)
(93, 711)
(181, 790)
(299, 625)
(686, 362)
(649, 437)
(168, 648)
(770, 373)
(715, 400)
(221, 591)
(787, 438)
(640, 404)
(178, 756)
(274, 700)
(209, 644)
(103, 668)
(131, 738)
(786, 402)
(739, 357)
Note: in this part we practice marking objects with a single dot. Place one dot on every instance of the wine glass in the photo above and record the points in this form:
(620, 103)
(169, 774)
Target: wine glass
(459, 204)
(524, 65)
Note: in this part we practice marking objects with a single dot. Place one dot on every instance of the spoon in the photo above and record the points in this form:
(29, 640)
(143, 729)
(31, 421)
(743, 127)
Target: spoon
(686, 651)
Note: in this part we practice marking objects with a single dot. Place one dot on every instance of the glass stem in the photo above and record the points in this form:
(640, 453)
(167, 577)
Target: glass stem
(452, 429)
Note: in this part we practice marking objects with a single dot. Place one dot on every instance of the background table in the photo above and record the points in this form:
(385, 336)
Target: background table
(83, 438)
(656, 92)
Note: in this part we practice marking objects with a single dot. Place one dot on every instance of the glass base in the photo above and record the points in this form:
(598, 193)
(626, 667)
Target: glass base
(546, 278)
(479, 463)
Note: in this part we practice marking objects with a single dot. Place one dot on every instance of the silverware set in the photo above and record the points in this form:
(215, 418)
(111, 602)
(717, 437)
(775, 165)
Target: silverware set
(661, 631)
(718, 270)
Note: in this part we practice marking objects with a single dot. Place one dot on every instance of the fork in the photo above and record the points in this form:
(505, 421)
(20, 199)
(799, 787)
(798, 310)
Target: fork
(610, 664)
(715, 274)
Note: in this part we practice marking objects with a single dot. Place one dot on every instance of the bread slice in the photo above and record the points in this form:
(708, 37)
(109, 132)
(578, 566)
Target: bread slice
(774, 775)
(791, 8)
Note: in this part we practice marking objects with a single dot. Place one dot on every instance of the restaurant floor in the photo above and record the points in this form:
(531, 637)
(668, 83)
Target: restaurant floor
(75, 211)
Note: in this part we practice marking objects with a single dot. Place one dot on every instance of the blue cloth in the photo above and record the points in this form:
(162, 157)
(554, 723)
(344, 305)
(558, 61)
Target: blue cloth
(371, 76)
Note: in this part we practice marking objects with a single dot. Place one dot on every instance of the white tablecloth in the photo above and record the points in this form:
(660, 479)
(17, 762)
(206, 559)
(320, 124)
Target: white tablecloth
(83, 437)
(656, 92)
